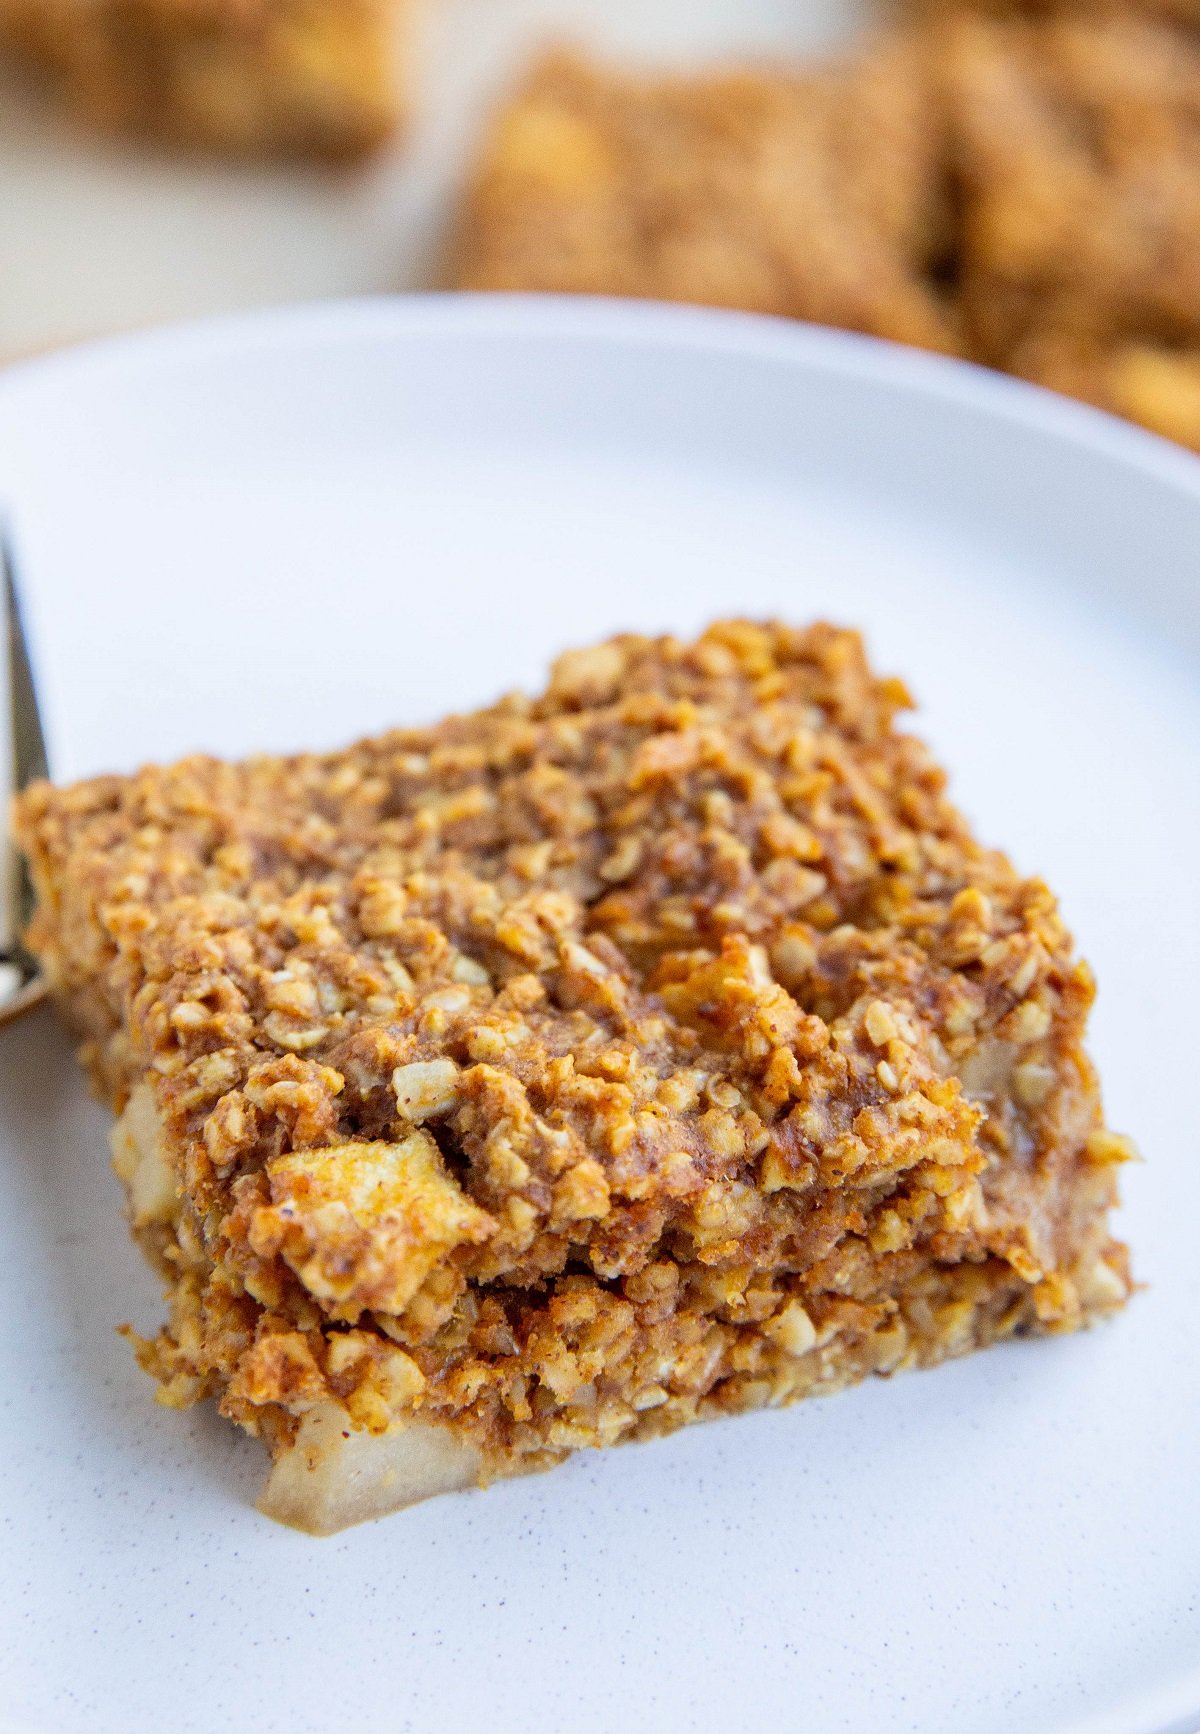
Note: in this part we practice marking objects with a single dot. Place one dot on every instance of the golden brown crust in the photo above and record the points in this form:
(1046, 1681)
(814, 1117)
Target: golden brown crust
(661, 1047)
(305, 77)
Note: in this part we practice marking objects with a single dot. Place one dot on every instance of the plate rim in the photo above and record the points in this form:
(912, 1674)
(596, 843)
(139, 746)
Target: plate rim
(640, 324)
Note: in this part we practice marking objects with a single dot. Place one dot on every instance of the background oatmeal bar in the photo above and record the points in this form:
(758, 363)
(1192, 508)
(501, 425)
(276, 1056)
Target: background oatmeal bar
(312, 77)
(1022, 191)
(810, 194)
(1079, 159)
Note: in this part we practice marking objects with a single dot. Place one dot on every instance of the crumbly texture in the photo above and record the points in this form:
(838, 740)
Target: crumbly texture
(813, 195)
(1024, 191)
(305, 77)
(658, 1048)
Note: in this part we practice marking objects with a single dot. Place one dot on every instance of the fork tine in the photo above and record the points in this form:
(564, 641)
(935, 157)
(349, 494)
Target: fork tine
(20, 986)
(30, 759)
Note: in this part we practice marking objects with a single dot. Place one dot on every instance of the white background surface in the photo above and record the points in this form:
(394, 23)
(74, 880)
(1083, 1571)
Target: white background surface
(96, 237)
(281, 534)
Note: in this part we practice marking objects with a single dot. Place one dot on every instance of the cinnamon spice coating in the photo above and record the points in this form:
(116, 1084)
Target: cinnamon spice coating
(661, 1047)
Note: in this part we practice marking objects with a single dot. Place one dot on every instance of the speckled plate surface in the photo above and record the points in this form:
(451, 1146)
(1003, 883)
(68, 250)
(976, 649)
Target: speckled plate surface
(292, 528)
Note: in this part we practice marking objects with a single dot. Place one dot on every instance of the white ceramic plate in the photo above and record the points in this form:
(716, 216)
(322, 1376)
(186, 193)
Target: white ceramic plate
(292, 528)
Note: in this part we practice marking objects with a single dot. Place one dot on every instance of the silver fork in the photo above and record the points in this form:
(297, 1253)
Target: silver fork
(21, 985)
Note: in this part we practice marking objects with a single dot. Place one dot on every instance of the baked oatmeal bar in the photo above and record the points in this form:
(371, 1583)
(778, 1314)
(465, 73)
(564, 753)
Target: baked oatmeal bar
(653, 1050)
(310, 77)
(1078, 151)
(1186, 12)
(813, 195)
(1022, 191)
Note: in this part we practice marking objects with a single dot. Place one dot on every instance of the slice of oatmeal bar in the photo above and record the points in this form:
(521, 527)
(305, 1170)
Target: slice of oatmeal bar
(656, 1049)
(309, 77)
(814, 195)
